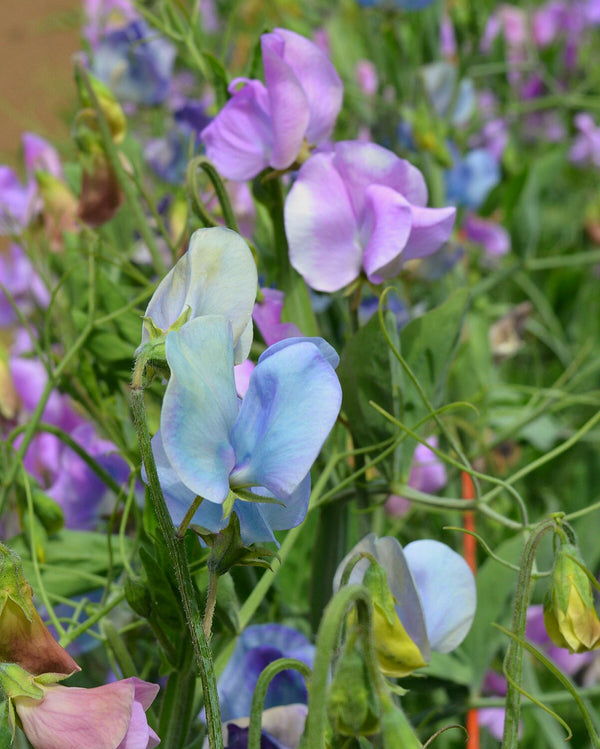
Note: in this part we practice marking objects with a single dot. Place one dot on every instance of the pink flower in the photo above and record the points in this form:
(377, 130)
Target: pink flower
(267, 124)
(360, 208)
(107, 717)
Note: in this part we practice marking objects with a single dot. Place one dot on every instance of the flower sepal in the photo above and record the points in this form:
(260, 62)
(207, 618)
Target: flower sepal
(227, 549)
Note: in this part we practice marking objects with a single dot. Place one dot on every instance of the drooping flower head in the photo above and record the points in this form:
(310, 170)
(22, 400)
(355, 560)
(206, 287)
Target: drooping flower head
(267, 124)
(210, 446)
(360, 208)
(434, 598)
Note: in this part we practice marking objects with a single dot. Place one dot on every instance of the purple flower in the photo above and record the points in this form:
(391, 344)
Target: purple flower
(360, 207)
(258, 646)
(210, 446)
(365, 73)
(493, 237)
(267, 316)
(281, 728)
(135, 64)
(585, 150)
(23, 284)
(104, 16)
(535, 631)
(492, 718)
(427, 474)
(268, 124)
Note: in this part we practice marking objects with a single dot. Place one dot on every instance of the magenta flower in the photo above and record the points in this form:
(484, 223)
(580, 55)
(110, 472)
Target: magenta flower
(267, 317)
(108, 717)
(360, 207)
(585, 150)
(267, 124)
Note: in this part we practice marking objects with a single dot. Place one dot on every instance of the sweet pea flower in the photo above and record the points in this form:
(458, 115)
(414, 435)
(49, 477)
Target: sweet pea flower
(434, 597)
(360, 207)
(216, 276)
(427, 474)
(209, 446)
(267, 316)
(104, 16)
(492, 236)
(135, 63)
(269, 124)
(471, 178)
(58, 717)
(281, 728)
(256, 647)
(19, 278)
(585, 150)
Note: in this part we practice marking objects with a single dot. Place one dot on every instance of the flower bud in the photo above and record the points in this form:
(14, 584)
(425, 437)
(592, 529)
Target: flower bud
(569, 615)
(352, 702)
(24, 638)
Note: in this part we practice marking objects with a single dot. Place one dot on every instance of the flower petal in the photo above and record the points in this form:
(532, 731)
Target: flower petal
(288, 103)
(447, 590)
(431, 228)
(386, 227)
(216, 276)
(319, 79)
(275, 444)
(72, 717)
(239, 141)
(321, 226)
(200, 406)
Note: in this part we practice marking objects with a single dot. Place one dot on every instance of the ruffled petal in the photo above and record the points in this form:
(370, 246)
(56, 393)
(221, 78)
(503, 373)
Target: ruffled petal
(447, 590)
(386, 227)
(200, 406)
(275, 444)
(288, 103)
(216, 276)
(72, 717)
(431, 228)
(239, 141)
(327, 351)
(361, 164)
(321, 226)
(320, 82)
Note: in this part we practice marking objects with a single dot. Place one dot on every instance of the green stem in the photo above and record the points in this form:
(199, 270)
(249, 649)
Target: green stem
(178, 556)
(177, 708)
(201, 162)
(260, 693)
(513, 661)
(211, 601)
(117, 645)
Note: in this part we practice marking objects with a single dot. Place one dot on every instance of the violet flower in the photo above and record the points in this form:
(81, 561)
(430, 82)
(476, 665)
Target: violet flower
(210, 446)
(105, 16)
(281, 728)
(19, 278)
(427, 474)
(269, 124)
(585, 150)
(360, 207)
(492, 236)
(256, 647)
(267, 317)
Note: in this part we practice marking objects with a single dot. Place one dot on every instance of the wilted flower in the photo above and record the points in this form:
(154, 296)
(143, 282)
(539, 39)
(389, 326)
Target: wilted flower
(360, 207)
(209, 446)
(56, 717)
(24, 638)
(216, 276)
(431, 592)
(269, 124)
(256, 647)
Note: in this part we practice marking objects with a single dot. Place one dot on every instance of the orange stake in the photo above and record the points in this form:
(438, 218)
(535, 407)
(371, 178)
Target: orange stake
(470, 552)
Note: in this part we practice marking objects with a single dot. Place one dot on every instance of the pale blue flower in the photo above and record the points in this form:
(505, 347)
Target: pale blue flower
(208, 444)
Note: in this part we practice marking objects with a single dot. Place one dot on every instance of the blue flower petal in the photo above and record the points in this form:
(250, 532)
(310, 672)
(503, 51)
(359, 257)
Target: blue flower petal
(327, 351)
(446, 587)
(200, 406)
(292, 402)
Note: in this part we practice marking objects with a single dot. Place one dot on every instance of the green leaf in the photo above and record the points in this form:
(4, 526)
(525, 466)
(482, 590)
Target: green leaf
(76, 562)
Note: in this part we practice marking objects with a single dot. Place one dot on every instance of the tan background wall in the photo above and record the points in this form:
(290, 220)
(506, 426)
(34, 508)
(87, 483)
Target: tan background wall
(37, 40)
